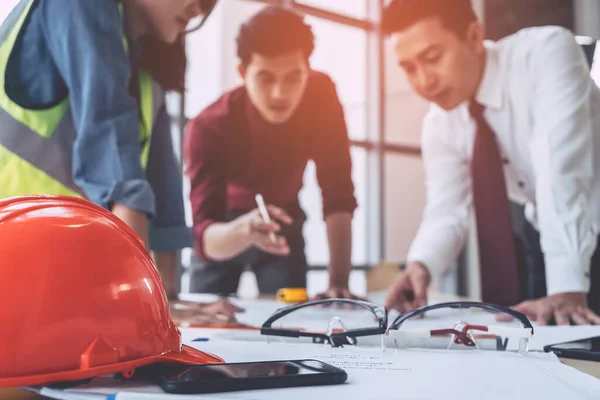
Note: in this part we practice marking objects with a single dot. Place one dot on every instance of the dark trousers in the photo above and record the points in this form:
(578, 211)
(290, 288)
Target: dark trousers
(272, 272)
(532, 267)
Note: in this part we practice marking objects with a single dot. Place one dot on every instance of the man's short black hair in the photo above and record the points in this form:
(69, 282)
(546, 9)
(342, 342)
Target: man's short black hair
(456, 15)
(274, 31)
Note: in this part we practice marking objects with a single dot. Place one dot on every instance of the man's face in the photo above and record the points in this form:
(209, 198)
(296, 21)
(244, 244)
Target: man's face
(440, 66)
(276, 84)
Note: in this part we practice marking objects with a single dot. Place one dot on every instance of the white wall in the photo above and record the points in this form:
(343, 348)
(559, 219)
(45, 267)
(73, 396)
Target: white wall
(205, 63)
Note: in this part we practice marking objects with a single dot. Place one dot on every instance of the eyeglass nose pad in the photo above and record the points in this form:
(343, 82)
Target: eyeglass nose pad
(335, 321)
(523, 346)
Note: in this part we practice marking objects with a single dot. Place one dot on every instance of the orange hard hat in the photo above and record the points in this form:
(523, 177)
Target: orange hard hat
(80, 296)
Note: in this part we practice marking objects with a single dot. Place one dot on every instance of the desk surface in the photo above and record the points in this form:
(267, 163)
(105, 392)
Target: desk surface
(584, 366)
(17, 394)
(590, 368)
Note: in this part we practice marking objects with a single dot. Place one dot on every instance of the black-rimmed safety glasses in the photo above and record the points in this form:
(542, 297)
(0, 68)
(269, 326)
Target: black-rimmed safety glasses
(465, 325)
(338, 322)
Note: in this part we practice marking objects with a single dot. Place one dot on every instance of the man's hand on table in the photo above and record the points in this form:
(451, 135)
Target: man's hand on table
(338, 292)
(221, 312)
(561, 309)
(410, 289)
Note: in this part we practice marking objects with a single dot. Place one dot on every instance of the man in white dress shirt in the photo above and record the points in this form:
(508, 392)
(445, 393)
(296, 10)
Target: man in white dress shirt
(518, 120)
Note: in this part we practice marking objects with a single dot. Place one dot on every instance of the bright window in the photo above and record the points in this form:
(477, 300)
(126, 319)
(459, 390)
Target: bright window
(315, 233)
(340, 52)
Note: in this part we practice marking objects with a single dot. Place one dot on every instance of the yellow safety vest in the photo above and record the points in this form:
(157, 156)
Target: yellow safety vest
(36, 146)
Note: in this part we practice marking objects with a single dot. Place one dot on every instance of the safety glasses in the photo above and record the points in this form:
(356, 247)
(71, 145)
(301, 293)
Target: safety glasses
(445, 326)
(461, 325)
(338, 322)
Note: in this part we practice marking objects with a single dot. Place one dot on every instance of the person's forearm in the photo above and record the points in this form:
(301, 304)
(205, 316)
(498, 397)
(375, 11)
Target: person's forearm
(339, 235)
(166, 263)
(137, 220)
(223, 241)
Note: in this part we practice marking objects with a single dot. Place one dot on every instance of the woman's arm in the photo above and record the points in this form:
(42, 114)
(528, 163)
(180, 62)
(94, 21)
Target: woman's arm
(85, 39)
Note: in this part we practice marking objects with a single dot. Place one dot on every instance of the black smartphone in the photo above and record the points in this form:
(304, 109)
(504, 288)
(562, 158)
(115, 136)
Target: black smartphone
(587, 349)
(216, 378)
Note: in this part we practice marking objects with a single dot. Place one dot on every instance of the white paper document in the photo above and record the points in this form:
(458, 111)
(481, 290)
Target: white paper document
(374, 374)
(112, 389)
(377, 375)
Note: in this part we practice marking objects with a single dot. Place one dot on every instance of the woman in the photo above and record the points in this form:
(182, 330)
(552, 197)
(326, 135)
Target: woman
(82, 110)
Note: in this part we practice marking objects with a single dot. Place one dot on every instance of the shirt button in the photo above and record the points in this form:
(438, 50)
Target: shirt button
(521, 184)
(505, 161)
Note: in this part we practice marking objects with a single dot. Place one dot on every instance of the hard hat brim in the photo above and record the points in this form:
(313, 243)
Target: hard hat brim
(187, 356)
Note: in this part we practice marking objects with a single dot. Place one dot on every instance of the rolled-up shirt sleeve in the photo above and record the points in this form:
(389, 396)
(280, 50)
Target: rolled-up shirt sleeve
(208, 182)
(85, 39)
(168, 230)
(562, 156)
(332, 151)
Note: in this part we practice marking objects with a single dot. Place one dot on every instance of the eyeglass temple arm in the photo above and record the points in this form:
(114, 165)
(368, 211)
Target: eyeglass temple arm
(294, 333)
(503, 331)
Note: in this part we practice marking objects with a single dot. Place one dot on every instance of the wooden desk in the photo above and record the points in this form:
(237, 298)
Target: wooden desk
(588, 367)
(18, 394)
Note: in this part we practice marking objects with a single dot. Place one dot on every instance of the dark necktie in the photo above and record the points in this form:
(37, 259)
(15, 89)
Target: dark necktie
(497, 256)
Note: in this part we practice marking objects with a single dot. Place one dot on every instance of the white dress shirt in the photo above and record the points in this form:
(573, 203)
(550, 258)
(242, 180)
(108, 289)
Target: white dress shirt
(545, 110)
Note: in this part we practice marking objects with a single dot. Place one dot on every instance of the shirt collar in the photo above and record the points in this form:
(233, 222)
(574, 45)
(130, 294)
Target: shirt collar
(490, 93)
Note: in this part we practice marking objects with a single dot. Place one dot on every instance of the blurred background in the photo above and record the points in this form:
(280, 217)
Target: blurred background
(383, 117)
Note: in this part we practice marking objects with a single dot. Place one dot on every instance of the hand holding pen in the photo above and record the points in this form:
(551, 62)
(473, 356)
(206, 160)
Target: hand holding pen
(264, 213)
(262, 226)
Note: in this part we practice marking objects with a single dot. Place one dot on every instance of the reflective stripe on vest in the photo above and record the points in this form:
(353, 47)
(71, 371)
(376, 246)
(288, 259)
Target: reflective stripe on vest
(36, 146)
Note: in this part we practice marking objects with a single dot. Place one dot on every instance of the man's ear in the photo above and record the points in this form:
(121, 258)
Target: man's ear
(476, 36)
(242, 71)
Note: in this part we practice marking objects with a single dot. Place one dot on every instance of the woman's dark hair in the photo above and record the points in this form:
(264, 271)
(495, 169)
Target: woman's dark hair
(166, 63)
(274, 31)
(456, 15)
